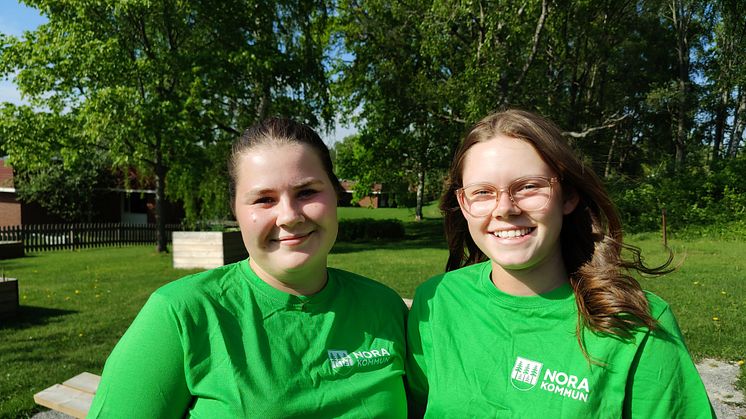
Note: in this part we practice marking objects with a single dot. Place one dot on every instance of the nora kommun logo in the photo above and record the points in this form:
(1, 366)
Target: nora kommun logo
(370, 358)
(525, 373)
(339, 358)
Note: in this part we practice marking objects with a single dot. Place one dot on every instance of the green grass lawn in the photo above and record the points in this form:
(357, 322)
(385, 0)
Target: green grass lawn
(76, 304)
(404, 214)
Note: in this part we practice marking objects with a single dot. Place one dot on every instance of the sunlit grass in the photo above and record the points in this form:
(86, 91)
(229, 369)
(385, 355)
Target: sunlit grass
(76, 304)
(707, 293)
(404, 214)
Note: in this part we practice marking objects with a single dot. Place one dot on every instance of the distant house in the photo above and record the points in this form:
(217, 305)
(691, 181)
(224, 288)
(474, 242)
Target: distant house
(376, 199)
(117, 204)
(10, 208)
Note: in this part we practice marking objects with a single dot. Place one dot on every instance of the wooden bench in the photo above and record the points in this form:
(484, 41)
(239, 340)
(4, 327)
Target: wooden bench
(73, 397)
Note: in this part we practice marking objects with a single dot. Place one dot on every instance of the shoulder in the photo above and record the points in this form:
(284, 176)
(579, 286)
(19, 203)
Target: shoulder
(658, 306)
(201, 286)
(361, 286)
(465, 277)
(445, 288)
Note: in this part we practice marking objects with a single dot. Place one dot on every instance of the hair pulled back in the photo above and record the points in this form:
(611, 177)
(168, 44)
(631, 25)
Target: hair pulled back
(279, 131)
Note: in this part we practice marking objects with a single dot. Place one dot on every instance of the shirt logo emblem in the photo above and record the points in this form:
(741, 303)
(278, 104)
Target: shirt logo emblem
(339, 358)
(525, 373)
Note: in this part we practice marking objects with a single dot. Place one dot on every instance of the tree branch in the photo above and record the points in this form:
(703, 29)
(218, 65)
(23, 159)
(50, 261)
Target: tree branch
(535, 43)
(451, 118)
(227, 128)
(609, 123)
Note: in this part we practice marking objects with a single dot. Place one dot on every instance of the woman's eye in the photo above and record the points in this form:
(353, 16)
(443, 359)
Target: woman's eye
(527, 186)
(305, 193)
(263, 200)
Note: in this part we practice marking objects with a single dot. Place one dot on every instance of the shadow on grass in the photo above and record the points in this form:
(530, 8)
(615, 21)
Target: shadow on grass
(17, 262)
(28, 316)
(425, 234)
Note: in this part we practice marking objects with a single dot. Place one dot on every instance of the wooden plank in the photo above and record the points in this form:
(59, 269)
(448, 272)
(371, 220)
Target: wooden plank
(85, 381)
(64, 399)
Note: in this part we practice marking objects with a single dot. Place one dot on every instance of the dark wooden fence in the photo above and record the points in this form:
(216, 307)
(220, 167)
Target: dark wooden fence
(41, 237)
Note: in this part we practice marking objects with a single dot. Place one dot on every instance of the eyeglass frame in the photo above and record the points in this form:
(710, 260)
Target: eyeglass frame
(551, 180)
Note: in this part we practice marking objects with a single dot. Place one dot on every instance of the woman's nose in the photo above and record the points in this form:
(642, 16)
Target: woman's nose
(289, 212)
(505, 205)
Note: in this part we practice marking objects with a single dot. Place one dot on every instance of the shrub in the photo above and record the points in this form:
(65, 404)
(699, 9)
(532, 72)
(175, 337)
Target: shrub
(695, 199)
(362, 229)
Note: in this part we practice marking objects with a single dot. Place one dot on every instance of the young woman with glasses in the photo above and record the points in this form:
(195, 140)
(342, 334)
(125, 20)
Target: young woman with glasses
(537, 314)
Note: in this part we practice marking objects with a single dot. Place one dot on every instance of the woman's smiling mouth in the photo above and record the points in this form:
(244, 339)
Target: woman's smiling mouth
(514, 233)
(293, 240)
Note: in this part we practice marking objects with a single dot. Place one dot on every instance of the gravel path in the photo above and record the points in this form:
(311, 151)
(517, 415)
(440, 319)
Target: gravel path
(719, 378)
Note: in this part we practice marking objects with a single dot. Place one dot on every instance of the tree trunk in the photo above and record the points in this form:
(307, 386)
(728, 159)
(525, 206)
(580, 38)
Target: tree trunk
(739, 124)
(420, 194)
(681, 19)
(609, 155)
(721, 113)
(160, 194)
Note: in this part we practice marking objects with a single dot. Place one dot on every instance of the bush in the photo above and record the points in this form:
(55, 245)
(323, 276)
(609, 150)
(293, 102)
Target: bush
(362, 229)
(696, 199)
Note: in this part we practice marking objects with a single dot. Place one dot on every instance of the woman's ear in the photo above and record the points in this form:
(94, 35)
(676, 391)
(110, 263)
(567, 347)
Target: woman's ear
(571, 199)
(461, 207)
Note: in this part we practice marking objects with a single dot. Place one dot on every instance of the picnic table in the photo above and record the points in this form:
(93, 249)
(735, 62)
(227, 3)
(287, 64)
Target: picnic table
(73, 397)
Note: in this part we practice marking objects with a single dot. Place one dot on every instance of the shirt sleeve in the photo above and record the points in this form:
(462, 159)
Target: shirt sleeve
(664, 382)
(144, 375)
(416, 367)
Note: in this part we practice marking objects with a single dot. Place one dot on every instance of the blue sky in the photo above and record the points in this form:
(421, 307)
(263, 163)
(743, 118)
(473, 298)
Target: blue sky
(15, 18)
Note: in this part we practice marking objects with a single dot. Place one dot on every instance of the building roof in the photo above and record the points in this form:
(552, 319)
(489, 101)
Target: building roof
(348, 185)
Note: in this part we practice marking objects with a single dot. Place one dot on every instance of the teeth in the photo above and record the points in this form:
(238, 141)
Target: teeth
(509, 234)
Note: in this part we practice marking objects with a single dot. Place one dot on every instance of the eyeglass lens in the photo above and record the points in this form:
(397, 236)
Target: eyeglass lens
(529, 194)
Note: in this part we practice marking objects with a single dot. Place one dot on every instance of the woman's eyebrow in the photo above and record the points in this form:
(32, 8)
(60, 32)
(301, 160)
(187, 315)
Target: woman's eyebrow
(308, 182)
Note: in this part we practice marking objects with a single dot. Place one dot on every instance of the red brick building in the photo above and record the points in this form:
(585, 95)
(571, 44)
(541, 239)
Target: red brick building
(10, 208)
(376, 199)
(113, 205)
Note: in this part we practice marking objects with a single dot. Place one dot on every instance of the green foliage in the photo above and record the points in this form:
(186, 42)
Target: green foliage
(366, 229)
(66, 192)
(395, 86)
(162, 85)
(694, 200)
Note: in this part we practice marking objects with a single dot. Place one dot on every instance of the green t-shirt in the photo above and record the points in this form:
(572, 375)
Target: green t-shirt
(475, 351)
(224, 344)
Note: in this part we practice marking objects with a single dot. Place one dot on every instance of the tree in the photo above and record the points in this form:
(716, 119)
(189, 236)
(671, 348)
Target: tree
(723, 90)
(393, 84)
(64, 186)
(683, 15)
(157, 85)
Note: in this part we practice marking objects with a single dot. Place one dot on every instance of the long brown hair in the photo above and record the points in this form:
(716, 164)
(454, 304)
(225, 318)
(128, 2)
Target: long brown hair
(609, 299)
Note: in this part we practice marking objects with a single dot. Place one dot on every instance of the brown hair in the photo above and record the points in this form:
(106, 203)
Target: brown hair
(277, 131)
(609, 299)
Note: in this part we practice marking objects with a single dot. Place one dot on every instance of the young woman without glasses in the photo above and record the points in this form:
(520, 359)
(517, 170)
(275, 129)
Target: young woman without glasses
(538, 315)
(279, 334)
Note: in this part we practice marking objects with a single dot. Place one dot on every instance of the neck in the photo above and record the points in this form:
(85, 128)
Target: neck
(542, 278)
(306, 282)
